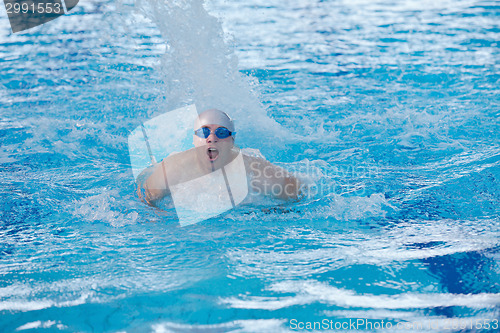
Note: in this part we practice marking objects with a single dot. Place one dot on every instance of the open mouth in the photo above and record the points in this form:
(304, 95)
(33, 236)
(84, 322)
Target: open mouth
(212, 153)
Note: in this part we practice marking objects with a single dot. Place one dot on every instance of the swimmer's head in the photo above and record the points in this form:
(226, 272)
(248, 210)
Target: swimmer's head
(214, 117)
(214, 136)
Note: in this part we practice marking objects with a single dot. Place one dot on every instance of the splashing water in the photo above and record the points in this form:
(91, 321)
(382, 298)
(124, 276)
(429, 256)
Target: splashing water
(199, 66)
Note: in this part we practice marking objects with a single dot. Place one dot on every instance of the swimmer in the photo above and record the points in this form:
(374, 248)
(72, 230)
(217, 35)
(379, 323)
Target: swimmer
(213, 139)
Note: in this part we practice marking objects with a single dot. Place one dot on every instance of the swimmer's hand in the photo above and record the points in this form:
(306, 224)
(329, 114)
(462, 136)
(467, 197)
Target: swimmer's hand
(152, 184)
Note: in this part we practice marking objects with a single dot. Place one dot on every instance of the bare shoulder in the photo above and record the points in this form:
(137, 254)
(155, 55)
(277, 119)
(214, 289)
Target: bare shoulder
(258, 167)
(271, 180)
(180, 158)
(257, 164)
(254, 161)
(181, 166)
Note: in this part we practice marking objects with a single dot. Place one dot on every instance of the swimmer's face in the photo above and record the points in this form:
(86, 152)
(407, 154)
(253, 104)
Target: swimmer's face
(213, 148)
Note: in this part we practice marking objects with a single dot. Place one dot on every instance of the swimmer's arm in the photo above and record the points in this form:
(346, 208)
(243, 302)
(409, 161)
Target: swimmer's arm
(152, 183)
(292, 188)
(274, 181)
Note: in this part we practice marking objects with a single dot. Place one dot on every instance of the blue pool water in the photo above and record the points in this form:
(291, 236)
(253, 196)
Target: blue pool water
(391, 108)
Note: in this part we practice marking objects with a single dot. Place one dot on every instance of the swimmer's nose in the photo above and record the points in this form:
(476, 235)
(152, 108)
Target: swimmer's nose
(212, 138)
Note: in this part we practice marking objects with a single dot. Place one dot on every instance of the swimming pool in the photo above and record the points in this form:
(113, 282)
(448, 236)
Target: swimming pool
(390, 108)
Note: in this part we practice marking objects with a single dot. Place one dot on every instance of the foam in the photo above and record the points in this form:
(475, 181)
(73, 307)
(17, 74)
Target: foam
(308, 292)
(259, 325)
(23, 305)
(41, 324)
(101, 207)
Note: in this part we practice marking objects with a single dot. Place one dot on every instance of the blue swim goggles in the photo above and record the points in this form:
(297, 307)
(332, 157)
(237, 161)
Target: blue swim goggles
(220, 132)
